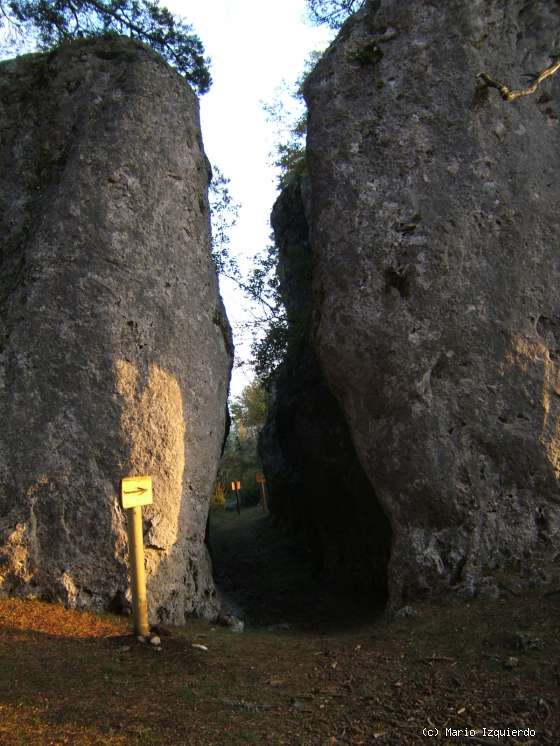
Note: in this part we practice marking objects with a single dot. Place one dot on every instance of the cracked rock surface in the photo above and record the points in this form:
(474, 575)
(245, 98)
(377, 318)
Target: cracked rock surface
(115, 350)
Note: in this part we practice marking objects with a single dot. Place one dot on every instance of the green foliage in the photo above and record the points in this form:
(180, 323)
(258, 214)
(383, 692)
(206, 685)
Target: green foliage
(269, 327)
(260, 285)
(223, 216)
(369, 54)
(248, 410)
(240, 461)
(269, 350)
(333, 13)
(271, 333)
(282, 335)
(291, 160)
(291, 127)
(288, 114)
(53, 22)
(218, 499)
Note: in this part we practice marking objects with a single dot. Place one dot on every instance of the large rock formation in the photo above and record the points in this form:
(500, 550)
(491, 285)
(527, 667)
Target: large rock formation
(114, 346)
(316, 483)
(434, 222)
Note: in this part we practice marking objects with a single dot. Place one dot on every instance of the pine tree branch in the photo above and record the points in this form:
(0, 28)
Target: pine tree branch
(119, 15)
(509, 94)
(59, 21)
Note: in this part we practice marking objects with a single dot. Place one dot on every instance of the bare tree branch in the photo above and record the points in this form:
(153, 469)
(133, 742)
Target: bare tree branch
(508, 94)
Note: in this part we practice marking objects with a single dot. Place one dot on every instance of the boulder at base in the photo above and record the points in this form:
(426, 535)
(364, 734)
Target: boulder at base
(115, 350)
(436, 293)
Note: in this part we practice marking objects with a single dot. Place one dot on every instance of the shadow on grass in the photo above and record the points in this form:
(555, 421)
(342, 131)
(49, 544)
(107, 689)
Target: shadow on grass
(207, 686)
(268, 577)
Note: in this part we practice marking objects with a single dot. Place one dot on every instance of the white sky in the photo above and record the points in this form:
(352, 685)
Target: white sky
(254, 45)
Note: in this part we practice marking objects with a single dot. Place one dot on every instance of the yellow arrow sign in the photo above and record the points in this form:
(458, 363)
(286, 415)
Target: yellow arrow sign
(136, 491)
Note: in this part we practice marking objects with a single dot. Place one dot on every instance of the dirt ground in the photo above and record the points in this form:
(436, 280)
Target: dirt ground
(314, 665)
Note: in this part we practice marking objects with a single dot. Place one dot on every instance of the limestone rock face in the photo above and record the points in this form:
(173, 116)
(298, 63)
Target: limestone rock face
(115, 351)
(435, 227)
(317, 485)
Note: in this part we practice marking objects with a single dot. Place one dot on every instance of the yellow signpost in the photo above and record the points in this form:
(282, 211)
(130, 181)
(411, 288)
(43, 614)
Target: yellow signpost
(135, 492)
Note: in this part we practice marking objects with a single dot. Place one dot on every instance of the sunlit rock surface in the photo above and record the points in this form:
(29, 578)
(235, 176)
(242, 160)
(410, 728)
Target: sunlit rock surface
(436, 291)
(115, 350)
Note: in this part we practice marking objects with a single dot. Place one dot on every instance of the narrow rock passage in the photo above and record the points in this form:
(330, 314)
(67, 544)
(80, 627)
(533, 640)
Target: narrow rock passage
(270, 579)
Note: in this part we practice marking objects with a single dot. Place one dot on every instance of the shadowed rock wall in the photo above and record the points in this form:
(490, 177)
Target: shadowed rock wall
(316, 483)
(115, 350)
(434, 224)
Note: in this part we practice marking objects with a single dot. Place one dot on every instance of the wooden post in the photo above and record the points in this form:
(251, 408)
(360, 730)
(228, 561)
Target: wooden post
(135, 492)
(137, 571)
(264, 497)
(236, 486)
(261, 481)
